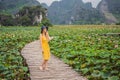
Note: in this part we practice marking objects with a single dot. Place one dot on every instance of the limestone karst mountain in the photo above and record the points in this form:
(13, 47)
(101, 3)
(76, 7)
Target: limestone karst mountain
(13, 6)
(110, 9)
(74, 12)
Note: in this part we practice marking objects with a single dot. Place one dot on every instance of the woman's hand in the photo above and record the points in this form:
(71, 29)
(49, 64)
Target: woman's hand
(51, 38)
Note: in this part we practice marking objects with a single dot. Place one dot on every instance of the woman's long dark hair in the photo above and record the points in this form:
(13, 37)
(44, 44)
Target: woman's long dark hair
(42, 28)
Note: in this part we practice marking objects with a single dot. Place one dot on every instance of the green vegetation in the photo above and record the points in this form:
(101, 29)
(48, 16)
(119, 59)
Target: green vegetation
(13, 6)
(88, 50)
(46, 22)
(85, 48)
(6, 20)
(12, 40)
(25, 17)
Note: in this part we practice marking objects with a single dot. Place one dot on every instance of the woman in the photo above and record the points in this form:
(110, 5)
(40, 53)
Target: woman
(44, 39)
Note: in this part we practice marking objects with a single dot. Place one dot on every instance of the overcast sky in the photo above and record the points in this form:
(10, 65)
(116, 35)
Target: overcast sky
(48, 2)
(94, 2)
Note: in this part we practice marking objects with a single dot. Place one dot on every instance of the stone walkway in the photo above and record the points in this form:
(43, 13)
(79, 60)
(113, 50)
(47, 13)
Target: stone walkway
(57, 69)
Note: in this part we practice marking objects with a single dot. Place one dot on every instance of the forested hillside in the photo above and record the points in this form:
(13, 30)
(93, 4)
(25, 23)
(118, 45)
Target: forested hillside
(73, 12)
(26, 16)
(110, 9)
(22, 13)
(13, 6)
(70, 11)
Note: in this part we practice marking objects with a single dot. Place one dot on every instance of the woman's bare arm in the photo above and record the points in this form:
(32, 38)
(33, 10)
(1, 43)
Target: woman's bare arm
(48, 37)
(41, 41)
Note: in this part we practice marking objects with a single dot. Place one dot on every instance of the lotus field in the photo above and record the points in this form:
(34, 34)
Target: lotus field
(89, 50)
(12, 40)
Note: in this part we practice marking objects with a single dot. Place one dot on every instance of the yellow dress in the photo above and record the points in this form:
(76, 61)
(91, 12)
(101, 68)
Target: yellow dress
(45, 47)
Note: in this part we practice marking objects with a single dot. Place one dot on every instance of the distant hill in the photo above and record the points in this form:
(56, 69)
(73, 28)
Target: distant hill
(110, 9)
(74, 12)
(70, 11)
(22, 13)
(44, 5)
(114, 8)
(13, 6)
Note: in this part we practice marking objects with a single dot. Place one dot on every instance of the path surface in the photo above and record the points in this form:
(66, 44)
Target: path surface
(57, 69)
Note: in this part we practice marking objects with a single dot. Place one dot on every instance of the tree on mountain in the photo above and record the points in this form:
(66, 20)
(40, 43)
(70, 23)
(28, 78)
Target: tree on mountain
(6, 20)
(31, 15)
(27, 16)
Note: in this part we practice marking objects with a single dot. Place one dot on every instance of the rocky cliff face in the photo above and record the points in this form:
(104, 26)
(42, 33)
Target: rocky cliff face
(114, 8)
(73, 12)
(103, 8)
(109, 9)
(34, 14)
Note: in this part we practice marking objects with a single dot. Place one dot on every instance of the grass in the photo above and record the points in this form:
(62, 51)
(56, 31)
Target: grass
(83, 47)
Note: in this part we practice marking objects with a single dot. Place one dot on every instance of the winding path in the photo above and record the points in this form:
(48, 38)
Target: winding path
(57, 69)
